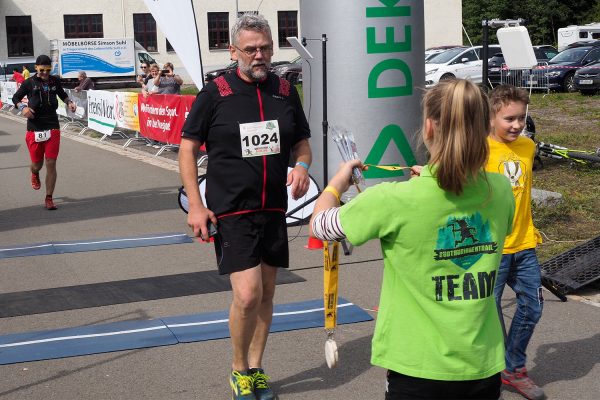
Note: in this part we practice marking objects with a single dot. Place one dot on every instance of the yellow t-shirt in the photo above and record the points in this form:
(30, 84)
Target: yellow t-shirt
(515, 161)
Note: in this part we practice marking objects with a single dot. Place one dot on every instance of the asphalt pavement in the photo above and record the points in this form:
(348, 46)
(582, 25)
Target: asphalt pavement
(104, 191)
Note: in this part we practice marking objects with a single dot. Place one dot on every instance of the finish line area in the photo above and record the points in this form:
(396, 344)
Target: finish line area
(129, 335)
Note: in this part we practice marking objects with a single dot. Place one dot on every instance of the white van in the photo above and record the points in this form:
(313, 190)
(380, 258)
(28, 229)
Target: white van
(459, 62)
(577, 33)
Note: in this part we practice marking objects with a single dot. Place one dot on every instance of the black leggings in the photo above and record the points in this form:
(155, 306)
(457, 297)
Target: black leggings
(403, 387)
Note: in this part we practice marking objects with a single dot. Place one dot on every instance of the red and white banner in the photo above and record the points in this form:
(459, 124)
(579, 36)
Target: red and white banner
(162, 116)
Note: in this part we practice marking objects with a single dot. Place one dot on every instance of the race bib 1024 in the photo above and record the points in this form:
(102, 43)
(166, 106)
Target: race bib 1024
(42, 136)
(260, 138)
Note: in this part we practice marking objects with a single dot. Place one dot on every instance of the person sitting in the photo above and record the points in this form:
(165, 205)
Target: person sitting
(85, 83)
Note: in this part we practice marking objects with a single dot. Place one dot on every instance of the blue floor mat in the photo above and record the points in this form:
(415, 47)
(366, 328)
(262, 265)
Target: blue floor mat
(128, 335)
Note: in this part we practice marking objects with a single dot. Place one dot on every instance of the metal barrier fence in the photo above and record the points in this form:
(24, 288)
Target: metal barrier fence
(534, 78)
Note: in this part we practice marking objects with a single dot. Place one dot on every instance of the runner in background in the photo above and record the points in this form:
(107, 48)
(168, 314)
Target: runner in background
(441, 235)
(43, 129)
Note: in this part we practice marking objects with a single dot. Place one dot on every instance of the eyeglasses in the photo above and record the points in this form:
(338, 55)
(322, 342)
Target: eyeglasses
(143, 67)
(251, 51)
(44, 69)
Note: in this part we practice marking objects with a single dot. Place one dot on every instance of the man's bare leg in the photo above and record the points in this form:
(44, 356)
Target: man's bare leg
(264, 317)
(243, 313)
(50, 176)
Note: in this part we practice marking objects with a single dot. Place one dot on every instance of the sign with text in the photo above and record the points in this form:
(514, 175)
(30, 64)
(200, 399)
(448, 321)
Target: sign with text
(127, 113)
(101, 111)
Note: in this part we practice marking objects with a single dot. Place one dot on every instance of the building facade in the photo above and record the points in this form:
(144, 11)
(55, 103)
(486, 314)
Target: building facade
(29, 25)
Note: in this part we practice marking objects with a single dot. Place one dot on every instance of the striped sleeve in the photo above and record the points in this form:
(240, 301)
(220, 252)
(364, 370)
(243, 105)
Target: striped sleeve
(326, 225)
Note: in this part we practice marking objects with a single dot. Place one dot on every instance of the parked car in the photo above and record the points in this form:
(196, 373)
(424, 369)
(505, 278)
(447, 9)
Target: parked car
(215, 73)
(543, 53)
(459, 62)
(561, 69)
(292, 71)
(432, 51)
(587, 79)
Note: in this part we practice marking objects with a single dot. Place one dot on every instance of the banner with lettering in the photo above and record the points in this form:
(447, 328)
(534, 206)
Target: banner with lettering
(161, 117)
(80, 100)
(101, 111)
(127, 111)
(8, 89)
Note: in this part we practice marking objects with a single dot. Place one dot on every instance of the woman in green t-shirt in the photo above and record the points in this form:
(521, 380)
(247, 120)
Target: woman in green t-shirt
(437, 331)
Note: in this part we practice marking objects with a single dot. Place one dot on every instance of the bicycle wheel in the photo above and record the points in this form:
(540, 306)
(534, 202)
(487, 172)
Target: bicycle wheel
(298, 211)
(587, 157)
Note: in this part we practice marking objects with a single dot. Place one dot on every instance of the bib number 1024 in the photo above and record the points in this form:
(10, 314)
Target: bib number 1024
(260, 138)
(263, 139)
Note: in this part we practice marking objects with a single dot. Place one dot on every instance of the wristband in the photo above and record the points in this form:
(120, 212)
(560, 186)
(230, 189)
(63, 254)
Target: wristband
(302, 163)
(22, 107)
(333, 191)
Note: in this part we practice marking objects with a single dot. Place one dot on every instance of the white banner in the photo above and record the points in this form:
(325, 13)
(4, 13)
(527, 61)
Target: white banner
(7, 89)
(176, 19)
(101, 111)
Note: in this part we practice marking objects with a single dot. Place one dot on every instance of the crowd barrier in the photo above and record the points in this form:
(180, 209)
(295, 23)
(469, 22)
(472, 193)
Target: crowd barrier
(534, 78)
(128, 115)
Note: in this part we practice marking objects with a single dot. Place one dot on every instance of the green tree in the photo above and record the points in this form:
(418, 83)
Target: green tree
(543, 17)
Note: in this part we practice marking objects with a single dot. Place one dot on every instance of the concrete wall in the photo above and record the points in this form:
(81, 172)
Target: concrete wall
(443, 22)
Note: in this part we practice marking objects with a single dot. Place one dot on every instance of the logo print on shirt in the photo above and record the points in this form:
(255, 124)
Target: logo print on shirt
(463, 240)
(513, 171)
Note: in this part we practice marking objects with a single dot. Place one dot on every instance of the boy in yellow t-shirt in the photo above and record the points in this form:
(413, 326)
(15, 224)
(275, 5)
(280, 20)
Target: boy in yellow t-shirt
(512, 155)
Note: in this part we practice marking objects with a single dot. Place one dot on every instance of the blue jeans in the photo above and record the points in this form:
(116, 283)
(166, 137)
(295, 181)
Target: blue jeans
(521, 271)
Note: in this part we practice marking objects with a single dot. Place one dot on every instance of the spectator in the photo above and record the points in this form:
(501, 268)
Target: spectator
(26, 72)
(512, 155)
(149, 88)
(145, 76)
(17, 77)
(85, 83)
(167, 82)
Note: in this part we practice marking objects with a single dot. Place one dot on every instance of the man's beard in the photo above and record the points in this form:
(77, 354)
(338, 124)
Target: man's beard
(255, 75)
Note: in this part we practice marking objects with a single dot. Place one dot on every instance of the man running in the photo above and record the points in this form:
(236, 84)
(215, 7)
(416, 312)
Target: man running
(43, 130)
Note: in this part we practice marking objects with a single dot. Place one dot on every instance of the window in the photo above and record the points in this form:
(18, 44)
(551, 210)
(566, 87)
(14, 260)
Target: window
(218, 30)
(18, 36)
(169, 47)
(83, 26)
(287, 24)
(144, 31)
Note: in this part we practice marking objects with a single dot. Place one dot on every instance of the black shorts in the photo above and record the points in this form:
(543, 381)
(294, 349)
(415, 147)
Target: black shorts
(404, 387)
(244, 240)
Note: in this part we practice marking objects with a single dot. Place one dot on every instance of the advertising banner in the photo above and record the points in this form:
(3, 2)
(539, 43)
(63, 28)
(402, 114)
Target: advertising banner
(80, 100)
(384, 42)
(101, 111)
(8, 91)
(176, 19)
(127, 113)
(161, 117)
(98, 57)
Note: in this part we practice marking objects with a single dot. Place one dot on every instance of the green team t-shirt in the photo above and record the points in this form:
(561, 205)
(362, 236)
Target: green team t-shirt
(437, 315)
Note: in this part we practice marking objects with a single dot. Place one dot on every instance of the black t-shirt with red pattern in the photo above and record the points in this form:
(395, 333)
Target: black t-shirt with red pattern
(234, 183)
